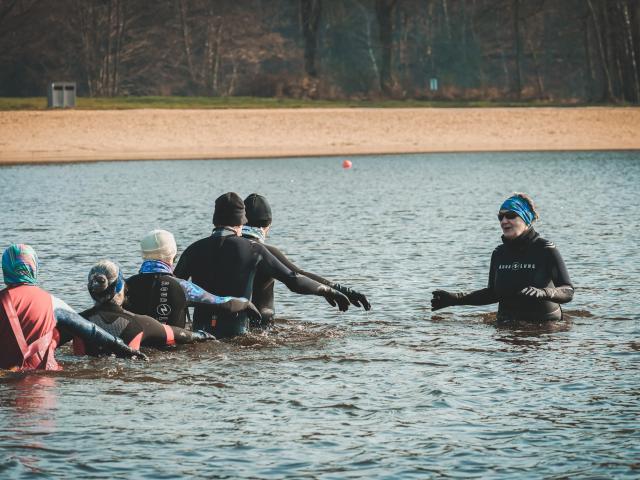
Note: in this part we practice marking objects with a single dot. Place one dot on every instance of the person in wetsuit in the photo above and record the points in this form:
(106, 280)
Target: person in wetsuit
(156, 292)
(227, 263)
(33, 322)
(259, 218)
(106, 287)
(527, 276)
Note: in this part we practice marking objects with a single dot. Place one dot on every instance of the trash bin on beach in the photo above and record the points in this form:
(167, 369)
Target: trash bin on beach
(61, 95)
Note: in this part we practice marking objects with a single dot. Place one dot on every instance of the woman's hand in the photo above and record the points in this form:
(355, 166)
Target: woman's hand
(442, 299)
(533, 292)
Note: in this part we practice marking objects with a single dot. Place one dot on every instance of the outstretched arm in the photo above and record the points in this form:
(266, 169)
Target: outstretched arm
(484, 296)
(148, 332)
(72, 323)
(299, 283)
(442, 298)
(198, 296)
(356, 298)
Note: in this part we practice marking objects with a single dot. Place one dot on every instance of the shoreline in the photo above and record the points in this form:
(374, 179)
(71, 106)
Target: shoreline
(70, 136)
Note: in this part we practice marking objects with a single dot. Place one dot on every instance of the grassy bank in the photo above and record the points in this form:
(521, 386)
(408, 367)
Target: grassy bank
(123, 103)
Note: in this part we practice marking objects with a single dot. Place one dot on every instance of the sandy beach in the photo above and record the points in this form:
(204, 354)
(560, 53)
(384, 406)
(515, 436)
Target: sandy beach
(88, 135)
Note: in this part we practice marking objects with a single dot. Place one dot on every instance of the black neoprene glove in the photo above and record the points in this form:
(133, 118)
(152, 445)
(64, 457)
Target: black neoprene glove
(334, 297)
(559, 294)
(533, 292)
(121, 349)
(202, 336)
(442, 298)
(240, 305)
(356, 298)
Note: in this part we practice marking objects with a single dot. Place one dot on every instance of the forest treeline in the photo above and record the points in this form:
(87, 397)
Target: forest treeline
(556, 50)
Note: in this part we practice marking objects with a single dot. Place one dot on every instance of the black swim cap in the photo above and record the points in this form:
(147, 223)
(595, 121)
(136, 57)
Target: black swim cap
(229, 211)
(258, 211)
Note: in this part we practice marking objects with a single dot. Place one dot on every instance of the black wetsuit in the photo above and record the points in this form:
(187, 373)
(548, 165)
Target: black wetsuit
(157, 295)
(136, 330)
(527, 261)
(227, 265)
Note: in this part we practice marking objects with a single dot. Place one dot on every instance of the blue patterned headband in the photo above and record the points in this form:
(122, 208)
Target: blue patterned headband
(521, 207)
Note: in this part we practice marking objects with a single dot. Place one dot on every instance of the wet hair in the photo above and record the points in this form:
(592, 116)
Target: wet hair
(529, 201)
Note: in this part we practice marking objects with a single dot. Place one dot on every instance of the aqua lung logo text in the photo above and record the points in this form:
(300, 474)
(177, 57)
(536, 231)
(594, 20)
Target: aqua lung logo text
(517, 266)
(164, 309)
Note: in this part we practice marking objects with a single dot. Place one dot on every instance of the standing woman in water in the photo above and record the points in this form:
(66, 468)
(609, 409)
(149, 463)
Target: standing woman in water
(527, 275)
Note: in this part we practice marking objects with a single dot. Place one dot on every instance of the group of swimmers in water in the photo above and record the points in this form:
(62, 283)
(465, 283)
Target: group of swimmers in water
(228, 277)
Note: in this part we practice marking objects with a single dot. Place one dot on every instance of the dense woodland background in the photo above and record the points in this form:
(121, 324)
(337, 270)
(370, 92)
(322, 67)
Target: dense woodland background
(556, 50)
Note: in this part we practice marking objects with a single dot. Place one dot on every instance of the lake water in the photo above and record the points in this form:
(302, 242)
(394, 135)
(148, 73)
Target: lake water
(398, 392)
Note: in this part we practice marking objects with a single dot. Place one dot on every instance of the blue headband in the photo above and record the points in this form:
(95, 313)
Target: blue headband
(520, 207)
(119, 282)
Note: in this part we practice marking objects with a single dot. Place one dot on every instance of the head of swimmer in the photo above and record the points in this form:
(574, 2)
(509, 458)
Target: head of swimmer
(159, 245)
(105, 283)
(516, 215)
(258, 212)
(229, 212)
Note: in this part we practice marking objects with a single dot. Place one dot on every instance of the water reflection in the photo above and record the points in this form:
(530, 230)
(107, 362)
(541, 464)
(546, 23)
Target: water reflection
(28, 393)
(28, 402)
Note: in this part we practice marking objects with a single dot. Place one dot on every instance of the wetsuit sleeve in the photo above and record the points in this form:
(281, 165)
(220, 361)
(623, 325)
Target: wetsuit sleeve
(197, 296)
(563, 291)
(356, 298)
(484, 296)
(294, 268)
(72, 324)
(147, 331)
(270, 265)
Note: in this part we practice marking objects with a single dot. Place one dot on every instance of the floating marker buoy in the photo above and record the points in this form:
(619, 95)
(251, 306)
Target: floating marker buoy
(346, 164)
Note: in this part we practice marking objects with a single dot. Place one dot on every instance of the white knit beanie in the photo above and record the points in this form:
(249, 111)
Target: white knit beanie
(159, 245)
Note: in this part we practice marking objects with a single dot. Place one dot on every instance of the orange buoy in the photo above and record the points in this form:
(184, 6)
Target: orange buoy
(346, 164)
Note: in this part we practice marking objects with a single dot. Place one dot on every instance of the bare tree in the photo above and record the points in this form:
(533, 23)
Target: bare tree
(384, 14)
(310, 13)
(102, 26)
(595, 17)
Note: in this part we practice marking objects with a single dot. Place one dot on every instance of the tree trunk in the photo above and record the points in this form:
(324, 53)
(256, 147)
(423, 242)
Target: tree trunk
(517, 82)
(372, 56)
(186, 40)
(216, 64)
(447, 21)
(384, 14)
(608, 93)
(588, 65)
(310, 12)
(631, 51)
(106, 73)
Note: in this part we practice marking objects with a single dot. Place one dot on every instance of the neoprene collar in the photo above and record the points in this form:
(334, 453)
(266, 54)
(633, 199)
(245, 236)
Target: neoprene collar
(527, 237)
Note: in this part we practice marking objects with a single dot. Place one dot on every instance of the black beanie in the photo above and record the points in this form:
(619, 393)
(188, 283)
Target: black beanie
(229, 211)
(258, 211)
